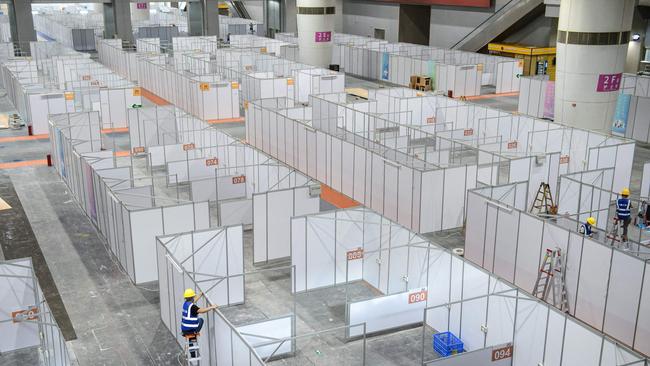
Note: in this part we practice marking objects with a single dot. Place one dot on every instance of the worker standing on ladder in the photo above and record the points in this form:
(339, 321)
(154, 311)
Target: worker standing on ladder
(190, 321)
(623, 211)
(587, 228)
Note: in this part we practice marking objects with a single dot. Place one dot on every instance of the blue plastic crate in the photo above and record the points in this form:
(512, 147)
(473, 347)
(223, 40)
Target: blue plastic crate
(447, 344)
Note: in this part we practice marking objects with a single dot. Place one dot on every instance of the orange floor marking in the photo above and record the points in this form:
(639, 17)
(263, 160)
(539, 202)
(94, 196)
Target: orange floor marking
(115, 130)
(153, 98)
(489, 96)
(225, 120)
(24, 138)
(20, 164)
(122, 153)
(335, 198)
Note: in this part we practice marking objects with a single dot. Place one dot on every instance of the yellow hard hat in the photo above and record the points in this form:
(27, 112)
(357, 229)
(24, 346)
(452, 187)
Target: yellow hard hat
(625, 192)
(591, 221)
(189, 293)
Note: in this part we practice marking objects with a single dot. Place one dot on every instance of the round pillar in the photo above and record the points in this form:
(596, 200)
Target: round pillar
(315, 21)
(593, 37)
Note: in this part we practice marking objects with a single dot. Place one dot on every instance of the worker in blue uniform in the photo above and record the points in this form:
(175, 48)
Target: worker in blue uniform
(191, 324)
(624, 211)
(587, 227)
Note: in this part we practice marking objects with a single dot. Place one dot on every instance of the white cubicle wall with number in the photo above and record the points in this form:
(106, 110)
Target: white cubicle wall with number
(417, 281)
(606, 286)
(392, 182)
(26, 320)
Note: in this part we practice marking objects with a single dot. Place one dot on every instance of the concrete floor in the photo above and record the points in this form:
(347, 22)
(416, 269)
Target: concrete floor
(107, 320)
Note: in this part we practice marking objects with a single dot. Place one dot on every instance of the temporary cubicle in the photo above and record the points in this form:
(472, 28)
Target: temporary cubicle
(462, 73)
(26, 320)
(417, 283)
(208, 97)
(389, 181)
(606, 286)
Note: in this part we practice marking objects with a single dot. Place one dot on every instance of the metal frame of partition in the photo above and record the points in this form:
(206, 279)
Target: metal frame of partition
(52, 347)
(490, 286)
(190, 281)
(518, 296)
(582, 255)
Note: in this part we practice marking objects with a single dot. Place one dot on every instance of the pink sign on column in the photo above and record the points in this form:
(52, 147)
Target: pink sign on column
(323, 36)
(141, 6)
(549, 99)
(609, 82)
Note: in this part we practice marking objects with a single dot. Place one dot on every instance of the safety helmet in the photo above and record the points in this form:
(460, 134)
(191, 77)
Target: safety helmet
(189, 293)
(625, 192)
(591, 221)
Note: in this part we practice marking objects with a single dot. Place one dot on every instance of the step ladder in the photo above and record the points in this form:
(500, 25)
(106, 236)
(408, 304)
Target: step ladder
(192, 354)
(551, 280)
(613, 234)
(544, 201)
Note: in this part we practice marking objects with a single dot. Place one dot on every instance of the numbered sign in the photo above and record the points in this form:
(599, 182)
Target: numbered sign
(431, 120)
(468, 132)
(355, 254)
(564, 159)
(322, 36)
(289, 81)
(263, 50)
(26, 314)
(212, 161)
(479, 67)
(609, 82)
(512, 145)
(234, 85)
(138, 149)
(137, 92)
(418, 296)
(239, 180)
(85, 77)
(204, 87)
(189, 146)
(69, 95)
(502, 353)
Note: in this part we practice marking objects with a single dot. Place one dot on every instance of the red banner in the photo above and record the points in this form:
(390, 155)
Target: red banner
(467, 3)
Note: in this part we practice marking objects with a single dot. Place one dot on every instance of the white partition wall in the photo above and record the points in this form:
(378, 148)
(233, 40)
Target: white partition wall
(25, 317)
(272, 213)
(317, 81)
(603, 283)
(536, 96)
(538, 334)
(391, 183)
(221, 343)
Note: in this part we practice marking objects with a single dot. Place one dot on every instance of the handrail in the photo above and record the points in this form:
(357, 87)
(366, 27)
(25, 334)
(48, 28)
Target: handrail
(481, 24)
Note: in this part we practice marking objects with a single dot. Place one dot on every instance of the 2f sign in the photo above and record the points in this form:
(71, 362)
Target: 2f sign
(418, 296)
(609, 82)
(502, 353)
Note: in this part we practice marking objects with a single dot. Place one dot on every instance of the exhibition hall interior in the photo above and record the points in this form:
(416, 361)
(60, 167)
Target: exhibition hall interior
(325, 182)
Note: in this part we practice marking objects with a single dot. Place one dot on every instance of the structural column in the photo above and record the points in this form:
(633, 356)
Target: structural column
(203, 18)
(22, 24)
(117, 20)
(315, 21)
(592, 42)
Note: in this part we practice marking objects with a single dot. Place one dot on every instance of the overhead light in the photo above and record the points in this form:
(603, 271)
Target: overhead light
(83, 12)
(636, 37)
